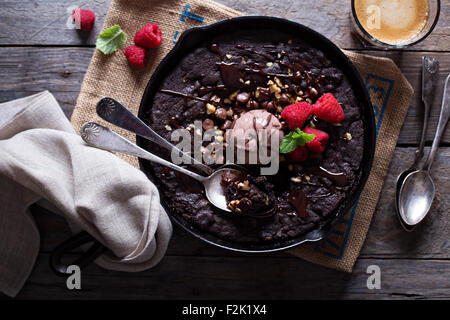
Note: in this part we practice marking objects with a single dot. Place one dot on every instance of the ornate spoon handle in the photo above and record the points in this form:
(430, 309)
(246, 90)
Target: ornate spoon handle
(430, 69)
(101, 137)
(443, 119)
(115, 113)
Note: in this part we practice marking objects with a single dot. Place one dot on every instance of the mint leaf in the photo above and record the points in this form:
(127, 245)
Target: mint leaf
(294, 139)
(111, 39)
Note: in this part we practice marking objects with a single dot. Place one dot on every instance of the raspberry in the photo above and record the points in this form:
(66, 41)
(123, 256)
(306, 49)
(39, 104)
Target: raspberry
(320, 140)
(300, 154)
(149, 36)
(328, 108)
(296, 114)
(137, 56)
(84, 19)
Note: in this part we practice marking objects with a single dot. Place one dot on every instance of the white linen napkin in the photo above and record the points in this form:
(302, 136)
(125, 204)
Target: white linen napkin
(41, 157)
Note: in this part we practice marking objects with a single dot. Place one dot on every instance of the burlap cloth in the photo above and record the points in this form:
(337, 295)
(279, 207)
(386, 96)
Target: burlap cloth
(112, 76)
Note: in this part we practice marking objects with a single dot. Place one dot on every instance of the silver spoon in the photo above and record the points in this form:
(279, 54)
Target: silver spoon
(418, 190)
(101, 137)
(115, 113)
(430, 68)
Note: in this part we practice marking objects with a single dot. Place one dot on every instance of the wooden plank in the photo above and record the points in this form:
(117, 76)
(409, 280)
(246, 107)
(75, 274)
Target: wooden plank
(257, 277)
(43, 22)
(61, 70)
(30, 70)
(386, 239)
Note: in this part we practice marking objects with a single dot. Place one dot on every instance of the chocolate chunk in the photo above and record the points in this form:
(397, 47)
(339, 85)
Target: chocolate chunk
(252, 104)
(221, 113)
(242, 97)
(207, 124)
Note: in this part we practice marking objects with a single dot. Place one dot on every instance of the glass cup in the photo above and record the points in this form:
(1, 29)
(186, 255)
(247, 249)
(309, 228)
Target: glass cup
(373, 12)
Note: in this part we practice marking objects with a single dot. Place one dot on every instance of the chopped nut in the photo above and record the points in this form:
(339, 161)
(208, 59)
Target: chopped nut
(230, 112)
(243, 60)
(215, 99)
(269, 64)
(289, 41)
(233, 96)
(241, 80)
(227, 101)
(233, 204)
(257, 91)
(298, 99)
(219, 138)
(210, 108)
(235, 117)
(296, 179)
(307, 178)
(247, 83)
(245, 185)
(278, 82)
(348, 136)
(274, 88)
(337, 124)
(229, 56)
(168, 128)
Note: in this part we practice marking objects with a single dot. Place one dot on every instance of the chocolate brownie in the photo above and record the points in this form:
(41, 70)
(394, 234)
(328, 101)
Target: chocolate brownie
(246, 194)
(234, 73)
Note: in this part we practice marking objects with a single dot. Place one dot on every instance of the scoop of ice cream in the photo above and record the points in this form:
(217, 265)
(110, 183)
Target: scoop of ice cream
(255, 128)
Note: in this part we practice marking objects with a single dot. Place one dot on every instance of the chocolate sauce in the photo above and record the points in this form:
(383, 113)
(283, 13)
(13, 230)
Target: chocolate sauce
(184, 95)
(240, 46)
(231, 75)
(204, 90)
(298, 199)
(339, 179)
(215, 48)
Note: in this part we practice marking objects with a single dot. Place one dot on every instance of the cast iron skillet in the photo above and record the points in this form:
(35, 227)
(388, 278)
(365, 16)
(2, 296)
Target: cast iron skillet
(189, 41)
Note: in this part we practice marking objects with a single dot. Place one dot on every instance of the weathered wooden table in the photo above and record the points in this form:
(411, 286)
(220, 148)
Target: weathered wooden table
(38, 52)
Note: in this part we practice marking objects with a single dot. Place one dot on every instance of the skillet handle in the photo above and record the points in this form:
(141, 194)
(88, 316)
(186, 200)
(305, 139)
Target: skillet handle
(86, 258)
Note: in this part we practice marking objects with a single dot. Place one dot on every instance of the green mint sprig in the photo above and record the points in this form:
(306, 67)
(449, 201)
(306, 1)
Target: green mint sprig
(294, 139)
(111, 40)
